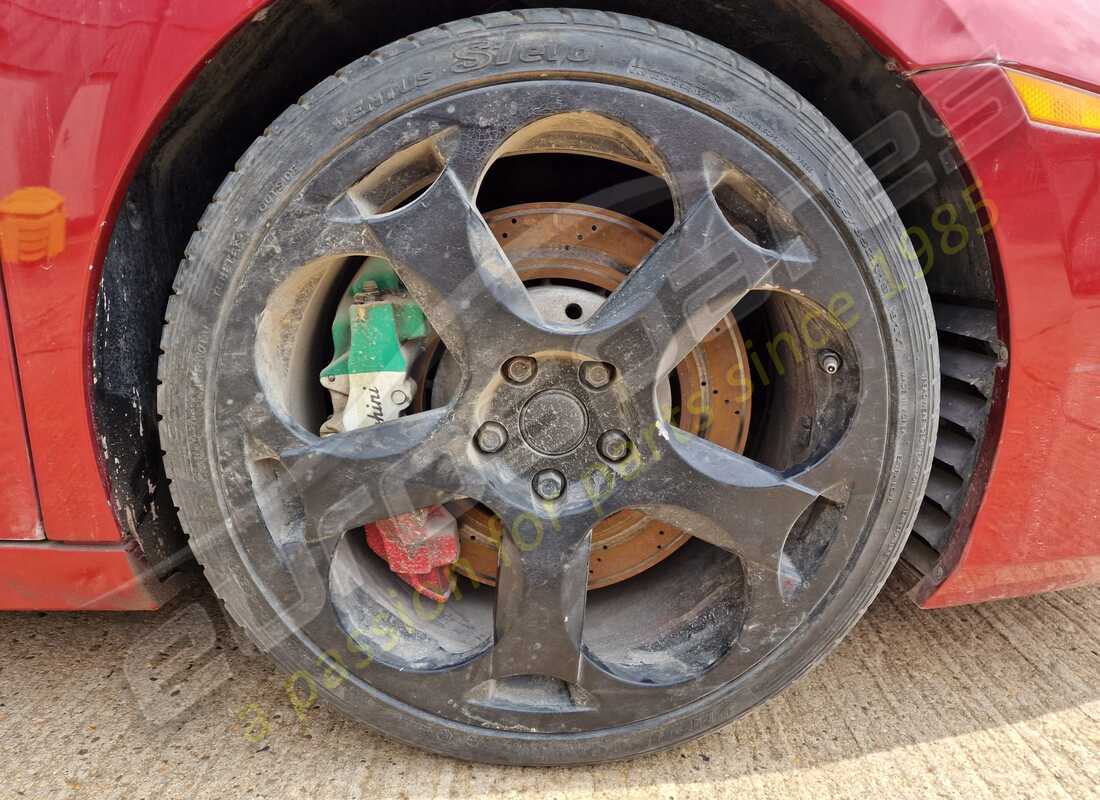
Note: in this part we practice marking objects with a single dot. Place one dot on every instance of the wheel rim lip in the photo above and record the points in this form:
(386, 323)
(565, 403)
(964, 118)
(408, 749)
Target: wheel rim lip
(367, 685)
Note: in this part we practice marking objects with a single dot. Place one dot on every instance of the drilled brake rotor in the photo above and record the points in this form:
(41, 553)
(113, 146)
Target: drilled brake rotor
(592, 249)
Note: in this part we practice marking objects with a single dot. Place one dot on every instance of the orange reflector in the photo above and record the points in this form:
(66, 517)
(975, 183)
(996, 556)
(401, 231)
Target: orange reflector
(32, 225)
(1057, 104)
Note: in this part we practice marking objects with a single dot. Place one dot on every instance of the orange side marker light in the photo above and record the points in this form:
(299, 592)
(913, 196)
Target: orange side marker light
(1053, 103)
(32, 225)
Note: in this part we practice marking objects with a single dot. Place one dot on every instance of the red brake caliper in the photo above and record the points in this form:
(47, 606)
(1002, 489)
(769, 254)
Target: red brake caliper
(419, 547)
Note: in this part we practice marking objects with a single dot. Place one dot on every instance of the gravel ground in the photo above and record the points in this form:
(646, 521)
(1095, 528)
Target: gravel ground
(993, 701)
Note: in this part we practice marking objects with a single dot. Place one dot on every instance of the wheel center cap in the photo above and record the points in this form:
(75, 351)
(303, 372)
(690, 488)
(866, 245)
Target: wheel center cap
(553, 422)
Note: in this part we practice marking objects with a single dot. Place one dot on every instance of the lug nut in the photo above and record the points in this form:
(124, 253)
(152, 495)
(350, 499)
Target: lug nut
(520, 369)
(829, 362)
(596, 374)
(613, 445)
(549, 484)
(491, 437)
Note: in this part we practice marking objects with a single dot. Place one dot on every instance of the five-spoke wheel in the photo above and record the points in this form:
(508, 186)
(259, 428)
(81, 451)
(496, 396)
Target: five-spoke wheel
(583, 391)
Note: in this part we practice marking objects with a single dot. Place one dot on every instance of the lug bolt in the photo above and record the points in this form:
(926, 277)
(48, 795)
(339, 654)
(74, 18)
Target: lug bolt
(491, 437)
(549, 484)
(614, 445)
(829, 362)
(520, 369)
(596, 374)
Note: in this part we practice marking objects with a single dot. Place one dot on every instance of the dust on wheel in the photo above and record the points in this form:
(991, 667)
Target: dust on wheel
(541, 479)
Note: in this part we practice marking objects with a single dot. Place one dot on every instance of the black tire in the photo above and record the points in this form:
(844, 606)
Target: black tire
(214, 283)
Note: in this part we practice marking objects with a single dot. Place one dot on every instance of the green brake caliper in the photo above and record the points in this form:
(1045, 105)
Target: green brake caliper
(377, 334)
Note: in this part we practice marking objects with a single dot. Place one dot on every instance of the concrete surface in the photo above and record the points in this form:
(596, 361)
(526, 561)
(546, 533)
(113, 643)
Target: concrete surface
(995, 701)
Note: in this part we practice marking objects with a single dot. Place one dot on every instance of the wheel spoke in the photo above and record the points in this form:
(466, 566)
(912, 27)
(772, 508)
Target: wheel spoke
(308, 233)
(349, 479)
(775, 603)
(541, 592)
(769, 615)
(445, 253)
(721, 497)
(691, 280)
(851, 467)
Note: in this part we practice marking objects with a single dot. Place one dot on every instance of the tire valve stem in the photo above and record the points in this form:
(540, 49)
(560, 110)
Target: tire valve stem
(829, 362)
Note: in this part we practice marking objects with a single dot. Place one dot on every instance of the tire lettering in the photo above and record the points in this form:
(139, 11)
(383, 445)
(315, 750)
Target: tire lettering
(381, 98)
(484, 53)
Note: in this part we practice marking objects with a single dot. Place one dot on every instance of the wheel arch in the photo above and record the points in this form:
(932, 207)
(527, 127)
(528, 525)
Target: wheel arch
(269, 62)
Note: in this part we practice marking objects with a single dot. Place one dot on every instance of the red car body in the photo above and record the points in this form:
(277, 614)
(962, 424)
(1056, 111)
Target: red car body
(85, 87)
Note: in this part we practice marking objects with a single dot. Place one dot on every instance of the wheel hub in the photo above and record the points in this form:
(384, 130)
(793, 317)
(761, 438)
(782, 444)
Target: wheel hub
(553, 422)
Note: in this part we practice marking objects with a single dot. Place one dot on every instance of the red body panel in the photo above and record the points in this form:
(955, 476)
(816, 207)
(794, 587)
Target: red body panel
(85, 85)
(1057, 38)
(1039, 524)
(18, 502)
(81, 100)
(53, 577)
